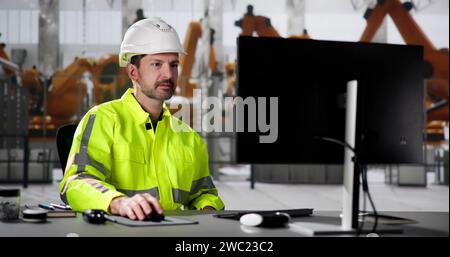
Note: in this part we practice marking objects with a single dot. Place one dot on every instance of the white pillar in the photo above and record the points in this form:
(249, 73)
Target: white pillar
(208, 80)
(296, 16)
(48, 47)
(215, 10)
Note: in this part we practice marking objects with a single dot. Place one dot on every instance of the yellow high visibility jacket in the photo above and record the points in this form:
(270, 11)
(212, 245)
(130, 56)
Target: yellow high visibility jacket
(116, 151)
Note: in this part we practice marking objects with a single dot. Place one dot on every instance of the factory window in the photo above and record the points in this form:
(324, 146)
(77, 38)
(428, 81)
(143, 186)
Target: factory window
(19, 26)
(101, 27)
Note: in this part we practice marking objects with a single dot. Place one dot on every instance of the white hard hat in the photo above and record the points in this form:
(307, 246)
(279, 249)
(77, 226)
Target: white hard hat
(149, 36)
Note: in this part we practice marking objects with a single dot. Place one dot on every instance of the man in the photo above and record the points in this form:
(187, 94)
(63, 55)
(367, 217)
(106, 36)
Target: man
(126, 158)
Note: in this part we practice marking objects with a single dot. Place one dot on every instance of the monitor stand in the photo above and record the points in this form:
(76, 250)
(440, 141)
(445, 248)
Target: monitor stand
(322, 229)
(351, 185)
(350, 201)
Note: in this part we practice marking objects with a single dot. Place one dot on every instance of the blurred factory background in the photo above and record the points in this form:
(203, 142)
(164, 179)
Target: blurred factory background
(60, 58)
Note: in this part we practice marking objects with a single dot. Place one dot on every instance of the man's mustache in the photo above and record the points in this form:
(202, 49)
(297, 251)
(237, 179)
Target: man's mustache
(166, 81)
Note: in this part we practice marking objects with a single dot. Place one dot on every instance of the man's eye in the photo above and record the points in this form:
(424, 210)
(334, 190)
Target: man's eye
(156, 64)
(174, 65)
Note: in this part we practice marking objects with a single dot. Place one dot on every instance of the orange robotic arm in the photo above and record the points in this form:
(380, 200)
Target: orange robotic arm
(110, 80)
(5, 56)
(193, 34)
(67, 90)
(436, 70)
(259, 24)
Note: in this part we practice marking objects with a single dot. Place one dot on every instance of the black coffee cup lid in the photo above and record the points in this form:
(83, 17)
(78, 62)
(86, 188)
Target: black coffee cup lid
(9, 192)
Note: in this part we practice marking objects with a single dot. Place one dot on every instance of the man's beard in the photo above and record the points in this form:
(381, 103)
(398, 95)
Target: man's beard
(154, 94)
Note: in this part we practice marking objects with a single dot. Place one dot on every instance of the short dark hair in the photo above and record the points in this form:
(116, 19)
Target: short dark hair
(136, 60)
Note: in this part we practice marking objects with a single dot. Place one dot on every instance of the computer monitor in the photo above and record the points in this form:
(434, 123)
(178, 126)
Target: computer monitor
(309, 78)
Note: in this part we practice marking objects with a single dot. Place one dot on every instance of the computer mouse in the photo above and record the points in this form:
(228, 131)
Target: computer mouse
(94, 216)
(154, 216)
(97, 216)
(251, 219)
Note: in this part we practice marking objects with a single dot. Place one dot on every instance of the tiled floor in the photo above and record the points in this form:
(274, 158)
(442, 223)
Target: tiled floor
(236, 193)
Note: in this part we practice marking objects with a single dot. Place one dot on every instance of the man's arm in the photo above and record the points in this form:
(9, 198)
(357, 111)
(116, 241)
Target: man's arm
(84, 183)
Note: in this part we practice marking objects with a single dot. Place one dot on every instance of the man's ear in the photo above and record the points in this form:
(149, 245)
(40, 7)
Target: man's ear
(132, 72)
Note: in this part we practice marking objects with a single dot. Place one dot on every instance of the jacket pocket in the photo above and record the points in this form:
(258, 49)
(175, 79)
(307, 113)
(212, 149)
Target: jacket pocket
(181, 167)
(128, 152)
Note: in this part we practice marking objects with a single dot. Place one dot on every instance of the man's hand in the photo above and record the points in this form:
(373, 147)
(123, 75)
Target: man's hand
(138, 206)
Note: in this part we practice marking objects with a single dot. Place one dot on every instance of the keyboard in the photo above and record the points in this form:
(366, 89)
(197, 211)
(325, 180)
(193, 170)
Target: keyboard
(292, 212)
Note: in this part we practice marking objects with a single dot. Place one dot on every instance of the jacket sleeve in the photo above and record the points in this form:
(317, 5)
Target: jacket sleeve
(88, 167)
(203, 191)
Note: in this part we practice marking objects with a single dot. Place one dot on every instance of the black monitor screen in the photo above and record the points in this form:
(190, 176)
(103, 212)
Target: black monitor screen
(309, 79)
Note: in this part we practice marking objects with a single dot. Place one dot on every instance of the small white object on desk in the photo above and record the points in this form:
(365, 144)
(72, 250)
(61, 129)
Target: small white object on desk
(251, 219)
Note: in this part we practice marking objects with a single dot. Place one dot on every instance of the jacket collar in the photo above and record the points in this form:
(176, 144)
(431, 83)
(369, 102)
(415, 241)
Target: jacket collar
(139, 114)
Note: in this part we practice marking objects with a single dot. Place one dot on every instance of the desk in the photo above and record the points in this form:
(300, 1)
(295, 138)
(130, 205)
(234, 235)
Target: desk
(429, 224)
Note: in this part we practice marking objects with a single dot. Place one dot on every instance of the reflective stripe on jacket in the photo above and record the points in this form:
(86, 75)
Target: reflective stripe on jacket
(113, 153)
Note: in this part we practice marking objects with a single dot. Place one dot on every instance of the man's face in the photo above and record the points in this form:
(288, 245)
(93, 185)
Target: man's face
(157, 75)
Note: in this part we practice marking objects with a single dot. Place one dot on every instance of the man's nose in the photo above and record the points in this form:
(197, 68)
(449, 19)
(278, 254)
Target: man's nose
(167, 71)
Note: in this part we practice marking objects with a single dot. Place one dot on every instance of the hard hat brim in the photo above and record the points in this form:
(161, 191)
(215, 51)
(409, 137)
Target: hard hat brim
(125, 58)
